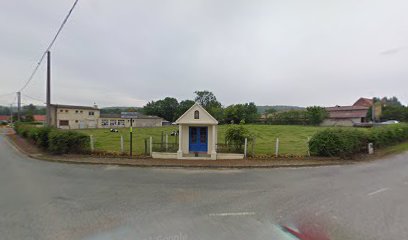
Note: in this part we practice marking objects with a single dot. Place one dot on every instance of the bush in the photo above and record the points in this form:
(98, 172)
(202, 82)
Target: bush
(338, 142)
(388, 135)
(235, 136)
(55, 141)
(42, 137)
(22, 129)
(346, 142)
(68, 142)
(32, 133)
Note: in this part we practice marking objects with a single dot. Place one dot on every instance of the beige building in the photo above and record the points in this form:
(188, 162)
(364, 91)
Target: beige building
(139, 120)
(79, 117)
(74, 117)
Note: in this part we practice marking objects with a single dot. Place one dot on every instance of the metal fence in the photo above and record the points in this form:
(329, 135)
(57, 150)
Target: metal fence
(165, 147)
(228, 148)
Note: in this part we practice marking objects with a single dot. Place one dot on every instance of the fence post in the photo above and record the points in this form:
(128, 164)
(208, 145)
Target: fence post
(162, 139)
(151, 145)
(121, 144)
(253, 147)
(92, 142)
(308, 147)
(245, 147)
(277, 147)
(167, 142)
(145, 146)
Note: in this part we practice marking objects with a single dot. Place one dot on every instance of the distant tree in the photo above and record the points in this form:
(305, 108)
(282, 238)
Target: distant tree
(316, 115)
(394, 112)
(168, 108)
(183, 107)
(270, 111)
(238, 113)
(165, 108)
(392, 101)
(208, 100)
(291, 117)
(28, 112)
(391, 109)
(151, 108)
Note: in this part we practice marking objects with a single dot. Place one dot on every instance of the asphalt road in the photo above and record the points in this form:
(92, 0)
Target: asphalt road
(45, 200)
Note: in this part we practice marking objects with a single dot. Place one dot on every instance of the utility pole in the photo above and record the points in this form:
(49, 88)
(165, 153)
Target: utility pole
(131, 137)
(19, 106)
(11, 113)
(48, 110)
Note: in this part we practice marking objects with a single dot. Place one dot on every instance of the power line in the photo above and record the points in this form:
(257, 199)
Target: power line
(34, 98)
(49, 46)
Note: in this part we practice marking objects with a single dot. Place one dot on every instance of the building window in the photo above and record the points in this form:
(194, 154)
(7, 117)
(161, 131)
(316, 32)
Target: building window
(81, 111)
(64, 123)
(113, 122)
(66, 111)
(61, 110)
(196, 114)
(121, 123)
(76, 111)
(91, 113)
(105, 122)
(76, 121)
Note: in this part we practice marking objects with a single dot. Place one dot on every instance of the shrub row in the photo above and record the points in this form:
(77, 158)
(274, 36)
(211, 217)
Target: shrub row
(345, 142)
(53, 140)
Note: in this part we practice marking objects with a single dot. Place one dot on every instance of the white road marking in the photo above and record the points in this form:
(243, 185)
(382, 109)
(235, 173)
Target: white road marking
(378, 191)
(232, 214)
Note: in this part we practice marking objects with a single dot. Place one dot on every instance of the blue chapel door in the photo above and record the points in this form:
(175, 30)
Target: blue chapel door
(198, 139)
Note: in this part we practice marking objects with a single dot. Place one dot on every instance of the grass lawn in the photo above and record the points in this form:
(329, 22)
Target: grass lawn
(293, 139)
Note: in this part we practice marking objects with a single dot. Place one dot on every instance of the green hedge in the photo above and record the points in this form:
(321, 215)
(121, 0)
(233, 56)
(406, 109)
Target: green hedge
(338, 142)
(344, 142)
(53, 140)
(68, 142)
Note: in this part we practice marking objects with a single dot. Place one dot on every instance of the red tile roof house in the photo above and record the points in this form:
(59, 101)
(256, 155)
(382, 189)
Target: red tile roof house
(364, 102)
(346, 115)
(4, 118)
(39, 118)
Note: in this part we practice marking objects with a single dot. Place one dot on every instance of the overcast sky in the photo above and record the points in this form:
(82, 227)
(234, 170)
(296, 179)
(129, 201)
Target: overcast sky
(286, 52)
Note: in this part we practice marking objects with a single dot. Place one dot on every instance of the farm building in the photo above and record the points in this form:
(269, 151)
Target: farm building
(364, 102)
(139, 120)
(346, 115)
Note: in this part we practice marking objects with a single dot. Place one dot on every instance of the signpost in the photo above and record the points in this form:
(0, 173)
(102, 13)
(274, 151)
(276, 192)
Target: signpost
(131, 116)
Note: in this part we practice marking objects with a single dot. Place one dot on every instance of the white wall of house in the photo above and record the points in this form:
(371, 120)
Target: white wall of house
(346, 122)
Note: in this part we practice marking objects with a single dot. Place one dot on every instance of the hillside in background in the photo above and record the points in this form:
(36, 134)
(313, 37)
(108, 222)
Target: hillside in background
(262, 109)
